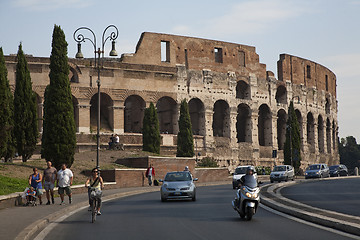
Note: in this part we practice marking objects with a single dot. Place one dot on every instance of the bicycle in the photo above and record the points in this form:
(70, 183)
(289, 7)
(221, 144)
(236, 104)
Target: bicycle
(94, 202)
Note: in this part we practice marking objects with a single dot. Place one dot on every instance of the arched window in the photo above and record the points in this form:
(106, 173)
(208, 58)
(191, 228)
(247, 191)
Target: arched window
(197, 116)
(166, 110)
(243, 123)
(264, 126)
(134, 114)
(221, 119)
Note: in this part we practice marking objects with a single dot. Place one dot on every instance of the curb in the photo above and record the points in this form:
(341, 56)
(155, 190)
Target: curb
(272, 198)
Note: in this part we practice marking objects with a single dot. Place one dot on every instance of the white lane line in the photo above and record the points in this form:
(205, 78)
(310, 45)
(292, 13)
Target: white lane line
(310, 223)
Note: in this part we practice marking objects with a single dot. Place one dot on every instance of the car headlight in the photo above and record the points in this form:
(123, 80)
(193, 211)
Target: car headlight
(318, 172)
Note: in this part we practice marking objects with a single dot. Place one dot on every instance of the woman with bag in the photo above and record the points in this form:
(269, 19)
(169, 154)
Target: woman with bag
(95, 181)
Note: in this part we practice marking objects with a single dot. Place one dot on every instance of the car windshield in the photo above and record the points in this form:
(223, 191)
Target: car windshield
(279, 168)
(250, 181)
(314, 167)
(334, 167)
(178, 177)
(241, 170)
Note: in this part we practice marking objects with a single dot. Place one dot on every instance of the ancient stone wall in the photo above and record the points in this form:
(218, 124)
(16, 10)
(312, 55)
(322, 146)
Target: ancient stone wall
(238, 109)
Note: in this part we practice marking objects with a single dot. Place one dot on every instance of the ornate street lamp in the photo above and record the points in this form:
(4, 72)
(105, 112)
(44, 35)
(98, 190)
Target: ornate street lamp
(79, 37)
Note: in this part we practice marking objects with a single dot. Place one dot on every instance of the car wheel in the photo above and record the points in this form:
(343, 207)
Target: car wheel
(163, 199)
(286, 179)
(271, 181)
(194, 197)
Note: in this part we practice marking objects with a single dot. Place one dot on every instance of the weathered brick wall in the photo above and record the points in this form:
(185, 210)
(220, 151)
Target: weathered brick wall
(211, 174)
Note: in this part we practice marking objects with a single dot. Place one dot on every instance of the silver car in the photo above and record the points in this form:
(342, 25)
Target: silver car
(178, 185)
(282, 173)
(320, 170)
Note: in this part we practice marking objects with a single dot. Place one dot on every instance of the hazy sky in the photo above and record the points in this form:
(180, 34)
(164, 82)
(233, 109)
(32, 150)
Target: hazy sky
(324, 31)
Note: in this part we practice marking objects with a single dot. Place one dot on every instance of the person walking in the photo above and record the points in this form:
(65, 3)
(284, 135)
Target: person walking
(35, 182)
(48, 181)
(64, 181)
(150, 174)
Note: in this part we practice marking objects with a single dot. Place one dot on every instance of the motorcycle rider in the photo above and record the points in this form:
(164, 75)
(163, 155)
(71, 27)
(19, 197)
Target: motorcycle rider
(249, 172)
(243, 180)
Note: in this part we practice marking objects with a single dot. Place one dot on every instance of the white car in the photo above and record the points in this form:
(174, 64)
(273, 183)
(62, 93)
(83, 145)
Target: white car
(239, 172)
(282, 173)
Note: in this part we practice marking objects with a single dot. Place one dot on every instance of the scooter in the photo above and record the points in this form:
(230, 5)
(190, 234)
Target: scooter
(247, 198)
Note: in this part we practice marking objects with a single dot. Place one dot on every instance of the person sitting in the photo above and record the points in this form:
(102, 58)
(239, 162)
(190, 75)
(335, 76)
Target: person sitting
(111, 141)
(30, 196)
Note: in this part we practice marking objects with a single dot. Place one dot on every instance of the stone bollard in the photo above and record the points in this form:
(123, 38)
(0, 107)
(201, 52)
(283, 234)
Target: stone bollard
(356, 171)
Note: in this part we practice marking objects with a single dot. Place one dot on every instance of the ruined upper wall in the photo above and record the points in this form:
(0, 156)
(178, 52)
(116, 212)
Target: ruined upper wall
(308, 73)
(197, 54)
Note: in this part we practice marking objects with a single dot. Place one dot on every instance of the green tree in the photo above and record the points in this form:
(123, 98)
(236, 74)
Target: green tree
(7, 141)
(185, 140)
(25, 111)
(59, 133)
(292, 154)
(151, 132)
(349, 152)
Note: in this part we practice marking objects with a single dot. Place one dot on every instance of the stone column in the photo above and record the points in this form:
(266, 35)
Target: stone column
(233, 119)
(118, 117)
(84, 118)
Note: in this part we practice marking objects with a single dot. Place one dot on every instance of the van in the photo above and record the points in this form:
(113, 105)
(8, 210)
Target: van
(320, 170)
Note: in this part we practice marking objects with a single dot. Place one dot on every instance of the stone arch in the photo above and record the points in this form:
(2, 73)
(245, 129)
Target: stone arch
(328, 135)
(264, 126)
(300, 121)
(166, 110)
(221, 119)
(134, 114)
(281, 95)
(321, 134)
(243, 123)
(242, 90)
(75, 103)
(310, 131)
(281, 128)
(197, 116)
(74, 73)
(106, 112)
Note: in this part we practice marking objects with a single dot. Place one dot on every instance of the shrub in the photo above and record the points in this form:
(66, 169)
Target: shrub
(207, 162)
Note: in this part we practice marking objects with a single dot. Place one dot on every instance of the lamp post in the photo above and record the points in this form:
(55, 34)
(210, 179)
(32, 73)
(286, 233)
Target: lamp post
(79, 37)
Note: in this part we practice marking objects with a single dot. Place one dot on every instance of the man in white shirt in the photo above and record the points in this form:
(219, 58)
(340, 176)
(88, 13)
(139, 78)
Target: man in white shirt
(64, 181)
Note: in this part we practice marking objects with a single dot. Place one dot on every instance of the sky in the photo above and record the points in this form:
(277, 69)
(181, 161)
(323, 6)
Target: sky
(324, 31)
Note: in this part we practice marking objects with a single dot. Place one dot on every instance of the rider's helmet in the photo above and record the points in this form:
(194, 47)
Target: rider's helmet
(250, 170)
(186, 168)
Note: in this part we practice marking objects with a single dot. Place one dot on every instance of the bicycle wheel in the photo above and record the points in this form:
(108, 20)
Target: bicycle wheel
(93, 211)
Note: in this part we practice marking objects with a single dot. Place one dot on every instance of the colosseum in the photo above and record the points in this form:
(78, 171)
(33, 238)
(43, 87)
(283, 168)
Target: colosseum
(238, 109)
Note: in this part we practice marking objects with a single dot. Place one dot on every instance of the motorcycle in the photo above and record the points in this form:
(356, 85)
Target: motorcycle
(247, 198)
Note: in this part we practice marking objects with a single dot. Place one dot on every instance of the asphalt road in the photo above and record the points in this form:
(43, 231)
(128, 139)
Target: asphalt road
(210, 217)
(339, 195)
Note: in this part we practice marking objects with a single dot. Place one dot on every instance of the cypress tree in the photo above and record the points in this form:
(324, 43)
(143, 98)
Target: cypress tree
(185, 140)
(151, 131)
(59, 133)
(7, 142)
(292, 154)
(25, 111)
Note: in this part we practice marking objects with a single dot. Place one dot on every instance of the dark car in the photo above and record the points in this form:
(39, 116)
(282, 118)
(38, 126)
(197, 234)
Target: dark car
(338, 170)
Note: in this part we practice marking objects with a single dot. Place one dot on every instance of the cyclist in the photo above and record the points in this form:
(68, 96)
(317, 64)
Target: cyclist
(96, 182)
